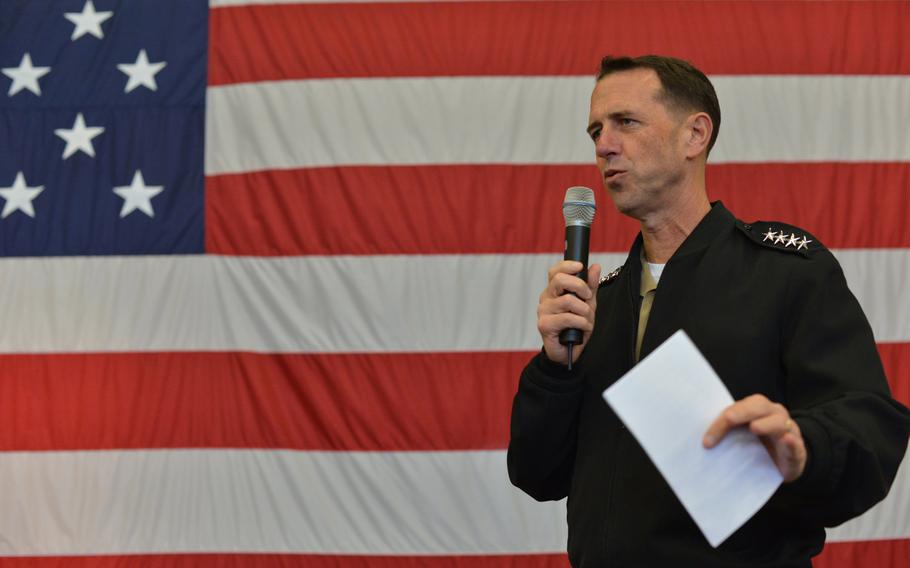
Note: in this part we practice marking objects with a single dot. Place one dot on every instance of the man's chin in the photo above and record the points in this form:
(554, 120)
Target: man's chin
(622, 200)
(618, 193)
(627, 211)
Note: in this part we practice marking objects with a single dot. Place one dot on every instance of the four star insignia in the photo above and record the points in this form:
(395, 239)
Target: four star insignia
(19, 197)
(79, 137)
(88, 21)
(137, 195)
(782, 238)
(25, 76)
(141, 73)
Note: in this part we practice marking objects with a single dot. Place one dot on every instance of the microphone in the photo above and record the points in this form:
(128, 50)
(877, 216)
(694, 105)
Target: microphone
(578, 210)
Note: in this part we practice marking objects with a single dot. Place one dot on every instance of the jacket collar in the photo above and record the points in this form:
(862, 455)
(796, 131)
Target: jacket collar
(713, 224)
(718, 220)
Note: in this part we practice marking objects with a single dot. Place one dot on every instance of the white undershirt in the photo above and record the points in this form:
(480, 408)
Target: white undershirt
(656, 270)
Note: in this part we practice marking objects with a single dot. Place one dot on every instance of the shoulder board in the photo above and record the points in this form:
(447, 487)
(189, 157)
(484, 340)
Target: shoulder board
(780, 236)
(610, 276)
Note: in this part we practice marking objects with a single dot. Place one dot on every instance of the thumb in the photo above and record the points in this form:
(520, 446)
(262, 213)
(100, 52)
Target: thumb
(594, 277)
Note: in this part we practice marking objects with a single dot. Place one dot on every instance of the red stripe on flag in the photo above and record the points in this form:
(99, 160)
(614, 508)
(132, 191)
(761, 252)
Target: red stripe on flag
(859, 554)
(288, 560)
(267, 43)
(381, 402)
(516, 209)
(865, 554)
(399, 210)
(896, 360)
(371, 402)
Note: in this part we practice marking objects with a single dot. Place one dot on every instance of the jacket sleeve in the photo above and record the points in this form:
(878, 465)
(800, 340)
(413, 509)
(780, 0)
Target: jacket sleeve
(856, 433)
(544, 425)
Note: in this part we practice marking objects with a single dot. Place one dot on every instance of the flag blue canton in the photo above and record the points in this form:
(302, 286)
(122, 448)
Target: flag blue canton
(152, 116)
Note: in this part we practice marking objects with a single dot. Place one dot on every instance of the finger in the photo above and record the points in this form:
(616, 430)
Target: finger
(775, 424)
(737, 414)
(791, 456)
(565, 303)
(563, 283)
(555, 323)
(564, 267)
(594, 277)
(717, 430)
(793, 438)
(593, 283)
(791, 444)
(752, 408)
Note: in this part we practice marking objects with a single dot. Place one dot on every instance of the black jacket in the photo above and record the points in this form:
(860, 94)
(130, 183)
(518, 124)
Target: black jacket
(771, 319)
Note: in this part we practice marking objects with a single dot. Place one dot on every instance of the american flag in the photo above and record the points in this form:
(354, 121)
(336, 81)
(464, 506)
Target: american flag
(270, 267)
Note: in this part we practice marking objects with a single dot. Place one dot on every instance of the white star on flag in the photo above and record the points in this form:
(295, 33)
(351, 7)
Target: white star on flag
(19, 197)
(141, 73)
(88, 21)
(137, 195)
(25, 76)
(79, 137)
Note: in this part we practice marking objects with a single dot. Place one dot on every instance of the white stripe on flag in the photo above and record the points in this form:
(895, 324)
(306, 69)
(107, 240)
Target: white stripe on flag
(888, 519)
(326, 304)
(296, 502)
(538, 120)
(119, 502)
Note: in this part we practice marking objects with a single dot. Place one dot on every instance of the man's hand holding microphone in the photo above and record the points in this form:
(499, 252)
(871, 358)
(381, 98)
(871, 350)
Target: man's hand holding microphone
(565, 312)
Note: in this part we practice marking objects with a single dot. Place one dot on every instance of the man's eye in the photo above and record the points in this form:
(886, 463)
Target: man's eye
(627, 121)
(595, 134)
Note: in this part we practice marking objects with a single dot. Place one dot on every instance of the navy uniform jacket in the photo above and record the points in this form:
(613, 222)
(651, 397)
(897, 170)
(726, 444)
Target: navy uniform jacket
(772, 317)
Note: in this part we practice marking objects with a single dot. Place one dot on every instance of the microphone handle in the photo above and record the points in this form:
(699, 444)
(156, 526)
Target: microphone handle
(577, 246)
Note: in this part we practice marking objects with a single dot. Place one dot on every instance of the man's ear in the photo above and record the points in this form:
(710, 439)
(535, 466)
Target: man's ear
(698, 132)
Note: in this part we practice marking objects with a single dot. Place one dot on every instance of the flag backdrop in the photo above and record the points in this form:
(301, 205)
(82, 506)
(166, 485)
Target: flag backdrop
(270, 268)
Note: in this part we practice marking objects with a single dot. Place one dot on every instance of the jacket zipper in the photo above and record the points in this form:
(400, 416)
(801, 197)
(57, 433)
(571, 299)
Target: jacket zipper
(623, 433)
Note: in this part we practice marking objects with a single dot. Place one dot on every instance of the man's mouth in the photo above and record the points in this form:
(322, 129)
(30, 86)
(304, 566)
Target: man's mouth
(611, 175)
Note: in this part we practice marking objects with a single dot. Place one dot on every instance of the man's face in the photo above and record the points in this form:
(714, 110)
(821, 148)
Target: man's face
(640, 144)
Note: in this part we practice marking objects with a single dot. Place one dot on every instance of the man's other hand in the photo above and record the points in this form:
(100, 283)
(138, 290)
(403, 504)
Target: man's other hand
(771, 422)
(559, 309)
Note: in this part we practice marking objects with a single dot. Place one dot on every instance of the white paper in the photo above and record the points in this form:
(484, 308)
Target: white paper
(668, 401)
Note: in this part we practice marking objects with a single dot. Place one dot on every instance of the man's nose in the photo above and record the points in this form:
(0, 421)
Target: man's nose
(607, 144)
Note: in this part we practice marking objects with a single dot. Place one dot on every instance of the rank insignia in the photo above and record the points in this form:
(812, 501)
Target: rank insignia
(609, 277)
(781, 237)
(788, 240)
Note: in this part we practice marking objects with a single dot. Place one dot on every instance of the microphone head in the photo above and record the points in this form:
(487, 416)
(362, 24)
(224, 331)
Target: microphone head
(578, 207)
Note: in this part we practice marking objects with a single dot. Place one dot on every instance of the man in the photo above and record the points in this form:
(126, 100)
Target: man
(766, 304)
